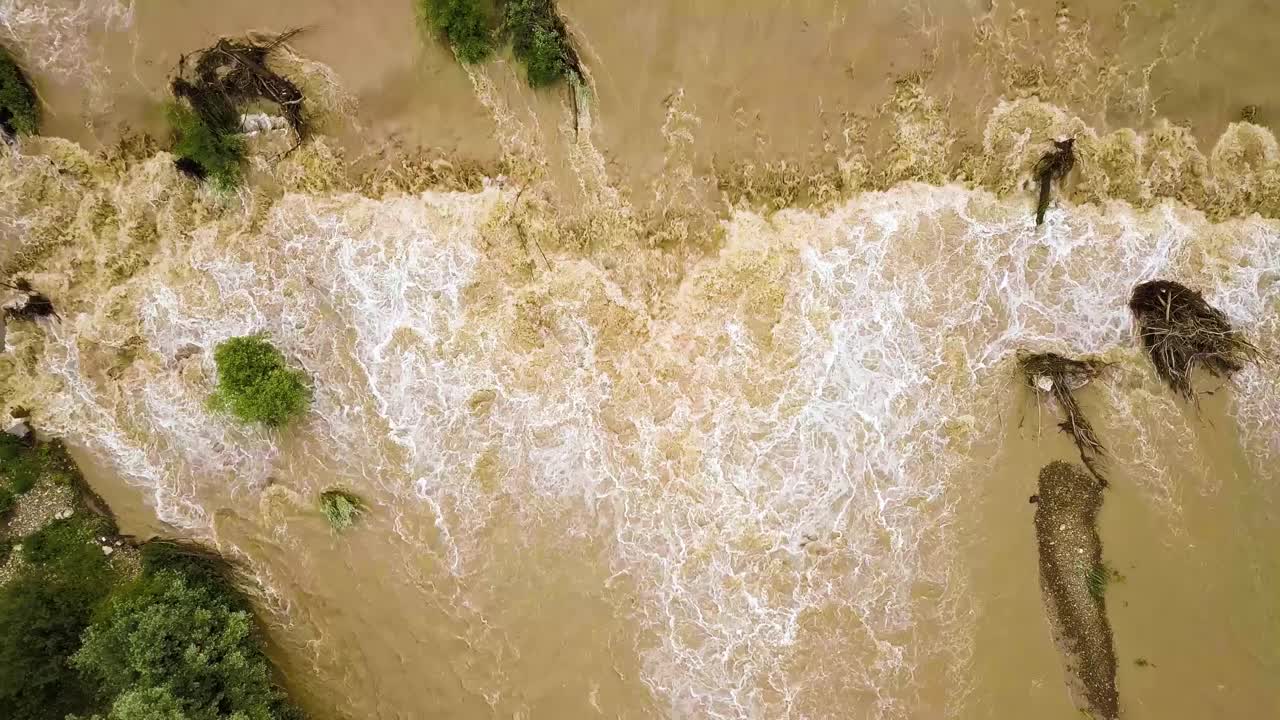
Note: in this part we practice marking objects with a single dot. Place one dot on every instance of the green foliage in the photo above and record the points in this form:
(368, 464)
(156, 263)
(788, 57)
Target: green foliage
(41, 619)
(1098, 579)
(466, 25)
(19, 109)
(43, 612)
(182, 644)
(340, 508)
(7, 500)
(255, 385)
(215, 150)
(540, 41)
(20, 465)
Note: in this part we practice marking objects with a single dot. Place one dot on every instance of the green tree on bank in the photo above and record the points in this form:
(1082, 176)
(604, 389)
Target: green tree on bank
(83, 638)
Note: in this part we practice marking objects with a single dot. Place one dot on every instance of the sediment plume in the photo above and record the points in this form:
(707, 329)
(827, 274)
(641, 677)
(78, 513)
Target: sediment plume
(1070, 558)
(1059, 377)
(1181, 331)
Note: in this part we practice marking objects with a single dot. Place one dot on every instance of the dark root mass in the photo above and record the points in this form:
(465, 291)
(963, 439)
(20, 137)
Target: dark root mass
(1181, 332)
(218, 80)
(1060, 377)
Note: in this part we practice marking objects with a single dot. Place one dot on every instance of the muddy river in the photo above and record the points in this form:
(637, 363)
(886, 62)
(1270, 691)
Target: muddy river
(698, 402)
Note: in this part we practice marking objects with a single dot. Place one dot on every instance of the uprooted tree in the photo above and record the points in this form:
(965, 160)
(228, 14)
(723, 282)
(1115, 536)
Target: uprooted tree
(1182, 332)
(1059, 377)
(212, 87)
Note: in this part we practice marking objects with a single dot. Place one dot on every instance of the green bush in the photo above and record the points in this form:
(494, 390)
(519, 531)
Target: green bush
(20, 464)
(41, 619)
(212, 151)
(181, 645)
(340, 508)
(540, 41)
(7, 500)
(466, 25)
(255, 385)
(19, 108)
(43, 612)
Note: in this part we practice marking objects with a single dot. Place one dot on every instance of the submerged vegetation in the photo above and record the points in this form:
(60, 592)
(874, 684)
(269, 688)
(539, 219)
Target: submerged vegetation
(19, 107)
(467, 26)
(1181, 331)
(256, 385)
(540, 40)
(91, 628)
(474, 29)
(340, 508)
(1060, 377)
(204, 150)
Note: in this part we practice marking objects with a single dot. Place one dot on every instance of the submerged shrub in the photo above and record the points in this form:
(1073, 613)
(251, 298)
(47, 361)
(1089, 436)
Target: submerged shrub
(19, 109)
(205, 148)
(255, 384)
(540, 40)
(466, 25)
(340, 508)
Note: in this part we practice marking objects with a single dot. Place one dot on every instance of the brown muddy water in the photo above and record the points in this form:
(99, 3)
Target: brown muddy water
(705, 407)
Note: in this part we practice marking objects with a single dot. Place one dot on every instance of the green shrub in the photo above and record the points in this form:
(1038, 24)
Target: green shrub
(540, 41)
(181, 645)
(20, 464)
(340, 508)
(41, 619)
(255, 385)
(43, 612)
(466, 25)
(7, 500)
(19, 108)
(209, 150)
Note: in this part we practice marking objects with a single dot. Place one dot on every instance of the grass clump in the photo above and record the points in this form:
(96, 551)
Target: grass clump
(19, 108)
(340, 508)
(468, 26)
(20, 463)
(540, 40)
(206, 148)
(1181, 331)
(255, 385)
(1098, 579)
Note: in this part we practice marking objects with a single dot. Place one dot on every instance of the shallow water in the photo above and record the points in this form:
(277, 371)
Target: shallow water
(634, 452)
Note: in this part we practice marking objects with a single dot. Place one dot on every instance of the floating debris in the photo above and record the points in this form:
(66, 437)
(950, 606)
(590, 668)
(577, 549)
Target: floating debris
(1059, 377)
(1181, 332)
(32, 305)
(1053, 165)
(1070, 564)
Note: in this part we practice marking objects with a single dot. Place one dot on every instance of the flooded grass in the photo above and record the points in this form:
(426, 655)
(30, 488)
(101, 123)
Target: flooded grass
(19, 107)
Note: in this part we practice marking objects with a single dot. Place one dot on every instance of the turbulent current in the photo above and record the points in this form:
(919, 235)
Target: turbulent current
(738, 469)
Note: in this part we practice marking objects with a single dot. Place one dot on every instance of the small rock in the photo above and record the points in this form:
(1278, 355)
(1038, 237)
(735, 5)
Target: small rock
(107, 549)
(63, 514)
(19, 429)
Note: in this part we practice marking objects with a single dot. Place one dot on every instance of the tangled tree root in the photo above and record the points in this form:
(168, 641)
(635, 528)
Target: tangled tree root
(232, 73)
(1181, 332)
(1060, 377)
